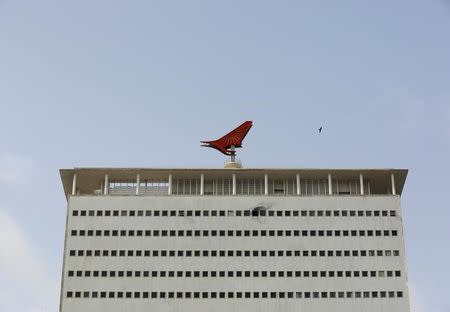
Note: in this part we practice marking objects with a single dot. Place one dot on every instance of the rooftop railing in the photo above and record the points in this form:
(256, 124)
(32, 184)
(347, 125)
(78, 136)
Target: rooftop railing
(233, 187)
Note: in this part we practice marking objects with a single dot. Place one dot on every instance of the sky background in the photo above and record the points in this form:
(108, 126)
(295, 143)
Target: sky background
(140, 83)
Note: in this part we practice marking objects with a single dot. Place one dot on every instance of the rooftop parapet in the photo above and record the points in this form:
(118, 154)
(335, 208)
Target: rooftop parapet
(231, 182)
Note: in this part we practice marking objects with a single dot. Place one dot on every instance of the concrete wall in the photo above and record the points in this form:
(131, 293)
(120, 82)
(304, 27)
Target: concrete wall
(235, 263)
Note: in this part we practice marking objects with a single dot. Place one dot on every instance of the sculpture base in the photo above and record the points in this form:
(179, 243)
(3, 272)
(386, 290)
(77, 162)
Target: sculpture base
(233, 165)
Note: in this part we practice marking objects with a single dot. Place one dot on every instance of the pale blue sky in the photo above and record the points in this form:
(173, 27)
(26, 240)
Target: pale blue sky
(140, 83)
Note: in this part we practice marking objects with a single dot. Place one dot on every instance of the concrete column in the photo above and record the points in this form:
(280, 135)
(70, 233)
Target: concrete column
(330, 185)
(266, 184)
(169, 189)
(361, 184)
(74, 184)
(393, 184)
(298, 184)
(202, 184)
(105, 191)
(234, 184)
(138, 182)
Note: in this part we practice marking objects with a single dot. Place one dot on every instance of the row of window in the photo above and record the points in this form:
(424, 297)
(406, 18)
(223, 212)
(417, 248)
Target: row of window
(388, 273)
(234, 253)
(230, 233)
(234, 213)
(237, 294)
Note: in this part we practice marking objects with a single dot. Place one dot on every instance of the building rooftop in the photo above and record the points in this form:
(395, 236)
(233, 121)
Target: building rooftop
(242, 181)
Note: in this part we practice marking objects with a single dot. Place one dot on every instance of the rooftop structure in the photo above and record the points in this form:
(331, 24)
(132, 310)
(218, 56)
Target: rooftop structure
(289, 182)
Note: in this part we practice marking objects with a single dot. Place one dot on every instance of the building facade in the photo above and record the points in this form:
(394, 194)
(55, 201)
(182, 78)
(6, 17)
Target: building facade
(234, 240)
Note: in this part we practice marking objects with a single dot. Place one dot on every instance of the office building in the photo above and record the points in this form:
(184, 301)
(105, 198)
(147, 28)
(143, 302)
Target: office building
(234, 240)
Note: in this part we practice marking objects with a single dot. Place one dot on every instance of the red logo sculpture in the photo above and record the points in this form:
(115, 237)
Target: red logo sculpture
(228, 142)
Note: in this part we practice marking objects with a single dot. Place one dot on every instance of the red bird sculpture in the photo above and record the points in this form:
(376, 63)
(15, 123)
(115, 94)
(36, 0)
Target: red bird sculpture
(226, 144)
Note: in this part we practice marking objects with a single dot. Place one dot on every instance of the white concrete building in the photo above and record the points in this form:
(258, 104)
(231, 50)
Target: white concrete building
(234, 240)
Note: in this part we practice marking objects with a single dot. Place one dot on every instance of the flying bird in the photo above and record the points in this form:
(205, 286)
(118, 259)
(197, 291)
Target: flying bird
(232, 139)
(320, 129)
